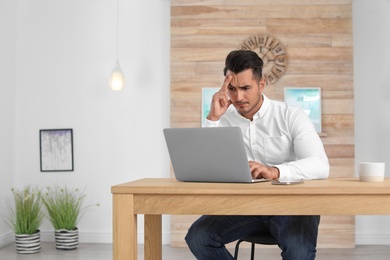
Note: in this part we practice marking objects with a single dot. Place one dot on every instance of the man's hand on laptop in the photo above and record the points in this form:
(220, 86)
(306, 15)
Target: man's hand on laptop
(220, 101)
(259, 171)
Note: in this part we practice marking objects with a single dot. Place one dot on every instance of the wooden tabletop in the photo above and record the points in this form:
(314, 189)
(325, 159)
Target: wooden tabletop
(318, 187)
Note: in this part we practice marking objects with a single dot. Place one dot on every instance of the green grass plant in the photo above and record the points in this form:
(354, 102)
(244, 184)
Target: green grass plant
(27, 213)
(64, 206)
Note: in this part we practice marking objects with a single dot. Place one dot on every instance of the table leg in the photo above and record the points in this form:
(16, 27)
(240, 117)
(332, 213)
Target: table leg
(124, 228)
(153, 237)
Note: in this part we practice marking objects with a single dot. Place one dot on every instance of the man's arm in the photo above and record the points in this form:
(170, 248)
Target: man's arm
(312, 161)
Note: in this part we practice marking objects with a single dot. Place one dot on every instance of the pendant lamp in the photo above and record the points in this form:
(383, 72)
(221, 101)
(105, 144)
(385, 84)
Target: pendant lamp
(117, 78)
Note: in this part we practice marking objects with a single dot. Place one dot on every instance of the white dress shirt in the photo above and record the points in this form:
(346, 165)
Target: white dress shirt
(280, 136)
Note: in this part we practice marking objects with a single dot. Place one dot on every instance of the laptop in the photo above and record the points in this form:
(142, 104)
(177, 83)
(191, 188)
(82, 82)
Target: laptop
(211, 154)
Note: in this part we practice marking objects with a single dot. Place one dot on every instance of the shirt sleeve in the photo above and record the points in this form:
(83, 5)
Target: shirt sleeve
(312, 161)
(209, 123)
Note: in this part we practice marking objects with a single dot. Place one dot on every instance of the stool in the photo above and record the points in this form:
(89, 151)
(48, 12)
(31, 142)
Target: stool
(265, 239)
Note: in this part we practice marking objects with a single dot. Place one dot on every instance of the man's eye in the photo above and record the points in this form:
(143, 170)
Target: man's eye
(231, 89)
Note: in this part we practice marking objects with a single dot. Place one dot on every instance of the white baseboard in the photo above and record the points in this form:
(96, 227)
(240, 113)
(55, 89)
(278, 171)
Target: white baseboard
(90, 237)
(6, 239)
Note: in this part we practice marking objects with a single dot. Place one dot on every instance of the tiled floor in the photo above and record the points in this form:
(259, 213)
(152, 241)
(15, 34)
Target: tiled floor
(104, 252)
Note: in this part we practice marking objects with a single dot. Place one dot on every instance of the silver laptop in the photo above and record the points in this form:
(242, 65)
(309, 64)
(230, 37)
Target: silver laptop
(212, 154)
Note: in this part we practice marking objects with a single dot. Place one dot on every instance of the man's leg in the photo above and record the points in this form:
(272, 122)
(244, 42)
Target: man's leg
(297, 236)
(208, 235)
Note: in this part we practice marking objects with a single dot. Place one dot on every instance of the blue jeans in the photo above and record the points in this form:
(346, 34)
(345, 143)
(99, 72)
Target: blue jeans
(296, 235)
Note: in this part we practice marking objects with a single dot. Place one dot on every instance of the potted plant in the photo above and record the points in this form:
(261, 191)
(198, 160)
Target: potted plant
(64, 208)
(26, 217)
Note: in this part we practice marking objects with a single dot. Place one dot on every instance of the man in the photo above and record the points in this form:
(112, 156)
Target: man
(281, 143)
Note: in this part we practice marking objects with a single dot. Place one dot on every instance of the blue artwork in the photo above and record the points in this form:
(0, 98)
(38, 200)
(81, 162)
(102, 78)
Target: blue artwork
(207, 96)
(309, 100)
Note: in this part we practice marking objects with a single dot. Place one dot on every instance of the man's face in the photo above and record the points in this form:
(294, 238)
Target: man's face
(245, 92)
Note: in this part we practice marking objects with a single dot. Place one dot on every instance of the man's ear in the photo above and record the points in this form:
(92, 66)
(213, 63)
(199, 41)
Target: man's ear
(262, 83)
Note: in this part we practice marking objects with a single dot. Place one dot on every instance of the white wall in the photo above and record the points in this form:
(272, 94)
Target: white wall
(62, 56)
(7, 108)
(371, 23)
(66, 51)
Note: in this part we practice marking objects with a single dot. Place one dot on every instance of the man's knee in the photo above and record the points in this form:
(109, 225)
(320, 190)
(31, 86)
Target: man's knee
(297, 236)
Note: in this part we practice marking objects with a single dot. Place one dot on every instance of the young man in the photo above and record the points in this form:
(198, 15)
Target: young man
(281, 143)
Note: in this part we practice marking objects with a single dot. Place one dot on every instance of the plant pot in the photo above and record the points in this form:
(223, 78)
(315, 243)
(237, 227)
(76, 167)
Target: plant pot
(66, 239)
(28, 243)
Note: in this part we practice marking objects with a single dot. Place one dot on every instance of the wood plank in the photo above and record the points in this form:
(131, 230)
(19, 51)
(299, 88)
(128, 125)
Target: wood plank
(341, 71)
(196, 2)
(342, 167)
(338, 106)
(187, 38)
(228, 30)
(153, 229)
(307, 26)
(185, 124)
(290, 2)
(340, 150)
(264, 11)
(340, 139)
(124, 220)
(338, 121)
(319, 68)
(206, 23)
(339, 132)
(342, 40)
(263, 2)
(197, 81)
(320, 54)
(199, 54)
(296, 54)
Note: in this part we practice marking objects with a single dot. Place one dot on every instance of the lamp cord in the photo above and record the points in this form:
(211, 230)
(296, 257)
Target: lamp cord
(117, 30)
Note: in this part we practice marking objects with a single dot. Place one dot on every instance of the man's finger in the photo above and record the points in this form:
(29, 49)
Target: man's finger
(226, 83)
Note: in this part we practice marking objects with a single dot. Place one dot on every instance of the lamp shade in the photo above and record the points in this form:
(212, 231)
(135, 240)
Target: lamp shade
(117, 79)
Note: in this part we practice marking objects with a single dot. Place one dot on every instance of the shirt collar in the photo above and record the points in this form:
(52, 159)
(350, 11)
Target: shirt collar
(263, 109)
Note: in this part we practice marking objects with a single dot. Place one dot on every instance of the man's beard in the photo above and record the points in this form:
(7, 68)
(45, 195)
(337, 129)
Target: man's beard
(248, 110)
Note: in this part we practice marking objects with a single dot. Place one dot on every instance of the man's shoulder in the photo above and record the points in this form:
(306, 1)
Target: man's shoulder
(281, 105)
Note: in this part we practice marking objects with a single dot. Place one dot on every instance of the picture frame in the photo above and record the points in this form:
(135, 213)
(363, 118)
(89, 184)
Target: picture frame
(309, 100)
(207, 96)
(56, 150)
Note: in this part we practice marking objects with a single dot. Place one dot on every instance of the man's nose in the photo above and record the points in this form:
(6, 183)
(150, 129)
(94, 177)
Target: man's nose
(239, 95)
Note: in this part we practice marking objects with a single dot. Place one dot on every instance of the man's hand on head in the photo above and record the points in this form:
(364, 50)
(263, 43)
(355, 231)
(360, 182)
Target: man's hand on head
(220, 102)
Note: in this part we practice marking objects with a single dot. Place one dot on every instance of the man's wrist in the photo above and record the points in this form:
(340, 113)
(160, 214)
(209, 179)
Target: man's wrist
(212, 118)
(277, 173)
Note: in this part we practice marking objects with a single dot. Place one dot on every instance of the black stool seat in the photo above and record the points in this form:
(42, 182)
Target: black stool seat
(265, 239)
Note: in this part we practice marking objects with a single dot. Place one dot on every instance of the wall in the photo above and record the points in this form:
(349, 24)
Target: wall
(317, 37)
(372, 106)
(7, 108)
(66, 51)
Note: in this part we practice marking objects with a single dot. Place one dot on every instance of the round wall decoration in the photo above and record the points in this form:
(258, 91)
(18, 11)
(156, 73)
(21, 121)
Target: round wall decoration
(272, 52)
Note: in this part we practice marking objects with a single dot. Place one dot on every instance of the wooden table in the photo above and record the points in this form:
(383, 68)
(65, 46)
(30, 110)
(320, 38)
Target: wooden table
(155, 197)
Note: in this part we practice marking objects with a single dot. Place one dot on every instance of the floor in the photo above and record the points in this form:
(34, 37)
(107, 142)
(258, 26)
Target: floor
(104, 252)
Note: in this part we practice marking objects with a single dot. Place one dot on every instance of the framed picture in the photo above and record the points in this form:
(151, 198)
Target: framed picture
(56, 150)
(309, 100)
(207, 96)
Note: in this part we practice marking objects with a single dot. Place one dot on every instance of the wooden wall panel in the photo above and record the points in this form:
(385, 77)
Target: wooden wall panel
(317, 35)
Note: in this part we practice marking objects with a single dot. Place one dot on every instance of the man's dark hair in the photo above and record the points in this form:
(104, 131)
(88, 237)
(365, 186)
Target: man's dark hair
(239, 60)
